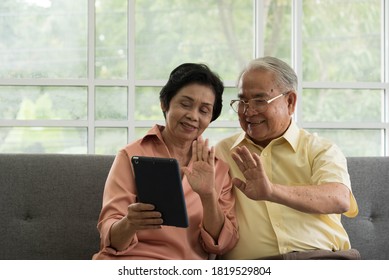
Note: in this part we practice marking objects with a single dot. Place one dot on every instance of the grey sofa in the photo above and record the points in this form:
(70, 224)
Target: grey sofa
(49, 206)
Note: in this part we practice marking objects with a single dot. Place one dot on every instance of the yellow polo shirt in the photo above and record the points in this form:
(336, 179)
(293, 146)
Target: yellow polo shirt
(296, 158)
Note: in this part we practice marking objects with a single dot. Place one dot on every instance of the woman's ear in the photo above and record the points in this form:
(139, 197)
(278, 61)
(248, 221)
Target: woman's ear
(164, 109)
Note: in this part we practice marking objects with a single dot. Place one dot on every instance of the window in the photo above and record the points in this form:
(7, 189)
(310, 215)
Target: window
(83, 76)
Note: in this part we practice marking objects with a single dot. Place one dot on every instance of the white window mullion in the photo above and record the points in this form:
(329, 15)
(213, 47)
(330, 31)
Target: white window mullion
(43, 82)
(259, 28)
(43, 123)
(297, 43)
(91, 76)
(131, 70)
(385, 71)
(343, 85)
(385, 41)
(345, 125)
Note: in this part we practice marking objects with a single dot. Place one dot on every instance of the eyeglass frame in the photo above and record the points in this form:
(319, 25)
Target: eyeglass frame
(247, 103)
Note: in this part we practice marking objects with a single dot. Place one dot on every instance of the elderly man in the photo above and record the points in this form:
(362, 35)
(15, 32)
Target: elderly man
(291, 186)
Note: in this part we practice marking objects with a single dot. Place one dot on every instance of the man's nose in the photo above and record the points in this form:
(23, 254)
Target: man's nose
(249, 111)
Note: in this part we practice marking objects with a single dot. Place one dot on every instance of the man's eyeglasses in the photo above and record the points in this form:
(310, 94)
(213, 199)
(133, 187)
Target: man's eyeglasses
(258, 104)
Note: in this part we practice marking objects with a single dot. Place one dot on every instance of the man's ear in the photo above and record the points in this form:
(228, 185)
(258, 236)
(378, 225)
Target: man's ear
(292, 100)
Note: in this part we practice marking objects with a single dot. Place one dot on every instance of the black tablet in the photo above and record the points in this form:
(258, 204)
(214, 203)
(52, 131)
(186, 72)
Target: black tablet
(158, 182)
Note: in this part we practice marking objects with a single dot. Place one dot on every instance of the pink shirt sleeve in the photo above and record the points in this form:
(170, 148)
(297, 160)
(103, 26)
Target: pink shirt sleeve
(117, 197)
(229, 233)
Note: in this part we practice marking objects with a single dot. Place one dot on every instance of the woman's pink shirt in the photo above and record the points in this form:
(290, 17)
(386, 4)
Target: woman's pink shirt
(168, 242)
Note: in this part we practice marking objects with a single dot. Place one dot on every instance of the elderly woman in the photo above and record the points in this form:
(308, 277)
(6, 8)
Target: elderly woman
(190, 101)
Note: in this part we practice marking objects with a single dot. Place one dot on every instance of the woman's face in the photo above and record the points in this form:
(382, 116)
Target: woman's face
(190, 112)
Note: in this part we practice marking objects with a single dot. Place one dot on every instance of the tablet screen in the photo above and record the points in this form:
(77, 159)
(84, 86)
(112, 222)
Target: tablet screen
(158, 182)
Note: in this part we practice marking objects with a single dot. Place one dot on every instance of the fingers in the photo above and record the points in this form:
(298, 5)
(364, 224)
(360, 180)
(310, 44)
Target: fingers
(139, 207)
(257, 159)
(200, 149)
(211, 159)
(202, 152)
(185, 170)
(239, 161)
(205, 151)
(194, 150)
(143, 216)
(244, 159)
(239, 183)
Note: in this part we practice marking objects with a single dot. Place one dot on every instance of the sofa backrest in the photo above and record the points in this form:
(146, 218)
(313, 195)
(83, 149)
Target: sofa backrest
(369, 231)
(49, 205)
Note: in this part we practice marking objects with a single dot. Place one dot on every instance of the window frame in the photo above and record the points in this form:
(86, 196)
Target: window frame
(131, 83)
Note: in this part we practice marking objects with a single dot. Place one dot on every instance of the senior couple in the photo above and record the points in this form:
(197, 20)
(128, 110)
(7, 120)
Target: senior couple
(273, 191)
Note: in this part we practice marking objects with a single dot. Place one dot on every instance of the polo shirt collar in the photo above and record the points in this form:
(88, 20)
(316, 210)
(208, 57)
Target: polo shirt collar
(154, 133)
(291, 135)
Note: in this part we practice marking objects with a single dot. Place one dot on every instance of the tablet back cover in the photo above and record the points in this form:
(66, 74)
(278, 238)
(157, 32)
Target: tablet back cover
(158, 182)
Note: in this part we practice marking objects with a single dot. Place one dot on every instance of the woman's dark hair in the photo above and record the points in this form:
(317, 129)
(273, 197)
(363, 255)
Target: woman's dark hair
(193, 73)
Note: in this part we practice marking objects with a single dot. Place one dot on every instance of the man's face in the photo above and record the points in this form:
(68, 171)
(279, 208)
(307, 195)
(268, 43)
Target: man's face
(263, 127)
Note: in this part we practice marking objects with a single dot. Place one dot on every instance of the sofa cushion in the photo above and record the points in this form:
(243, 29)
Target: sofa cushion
(50, 204)
(368, 231)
